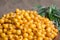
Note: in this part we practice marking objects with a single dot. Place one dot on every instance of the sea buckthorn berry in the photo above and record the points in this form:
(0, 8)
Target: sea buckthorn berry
(5, 30)
(40, 38)
(4, 15)
(1, 30)
(31, 33)
(1, 26)
(46, 38)
(17, 10)
(26, 25)
(56, 30)
(39, 34)
(1, 20)
(25, 34)
(18, 32)
(28, 11)
(25, 39)
(9, 32)
(13, 31)
(3, 35)
(8, 15)
(30, 37)
(29, 30)
(10, 36)
(52, 36)
(5, 26)
(5, 38)
(23, 11)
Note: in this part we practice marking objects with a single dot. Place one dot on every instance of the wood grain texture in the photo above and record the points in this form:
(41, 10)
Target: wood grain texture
(10, 5)
(58, 37)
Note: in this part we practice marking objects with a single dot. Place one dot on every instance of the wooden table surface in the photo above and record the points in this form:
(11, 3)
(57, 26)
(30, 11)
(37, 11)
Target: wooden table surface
(10, 5)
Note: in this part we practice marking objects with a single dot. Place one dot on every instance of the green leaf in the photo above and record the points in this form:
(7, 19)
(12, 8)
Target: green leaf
(59, 28)
(50, 12)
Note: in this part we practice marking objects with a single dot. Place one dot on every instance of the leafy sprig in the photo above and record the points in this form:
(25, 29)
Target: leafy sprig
(50, 12)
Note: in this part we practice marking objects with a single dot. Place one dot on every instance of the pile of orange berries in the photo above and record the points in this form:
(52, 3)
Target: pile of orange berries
(26, 25)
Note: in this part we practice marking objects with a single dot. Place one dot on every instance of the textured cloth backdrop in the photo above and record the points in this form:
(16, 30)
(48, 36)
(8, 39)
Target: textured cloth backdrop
(11, 5)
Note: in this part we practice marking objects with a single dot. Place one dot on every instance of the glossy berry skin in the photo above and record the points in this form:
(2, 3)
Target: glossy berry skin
(26, 25)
